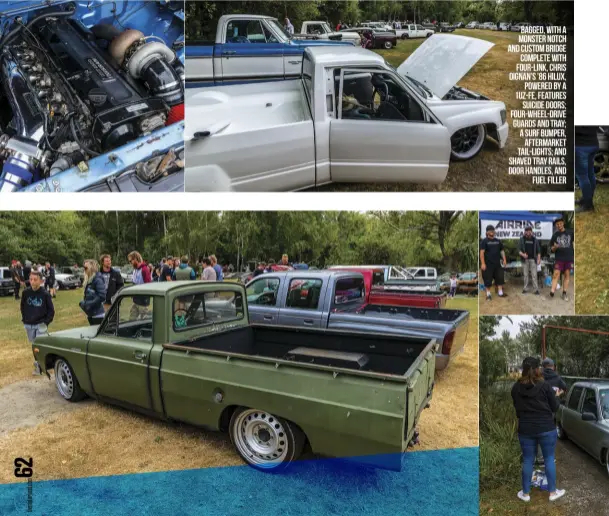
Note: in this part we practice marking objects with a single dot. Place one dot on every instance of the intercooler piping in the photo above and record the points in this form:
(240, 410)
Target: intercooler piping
(20, 166)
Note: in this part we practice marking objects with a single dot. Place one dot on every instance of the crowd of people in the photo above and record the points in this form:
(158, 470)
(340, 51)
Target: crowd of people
(20, 275)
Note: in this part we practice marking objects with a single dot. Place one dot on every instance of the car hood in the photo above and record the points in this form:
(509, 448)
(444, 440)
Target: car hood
(442, 60)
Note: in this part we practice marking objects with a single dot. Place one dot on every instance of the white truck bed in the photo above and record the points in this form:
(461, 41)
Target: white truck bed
(245, 108)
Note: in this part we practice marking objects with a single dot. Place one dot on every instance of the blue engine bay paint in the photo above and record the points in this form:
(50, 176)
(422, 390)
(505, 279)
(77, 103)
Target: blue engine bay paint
(161, 18)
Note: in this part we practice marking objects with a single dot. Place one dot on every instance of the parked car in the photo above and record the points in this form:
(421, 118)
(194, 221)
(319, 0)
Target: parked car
(66, 281)
(459, 25)
(518, 26)
(336, 300)
(467, 283)
(380, 38)
(412, 31)
(504, 26)
(400, 278)
(322, 30)
(236, 142)
(248, 47)
(472, 25)
(488, 26)
(446, 27)
(584, 418)
(7, 287)
(273, 389)
(114, 77)
(72, 271)
(127, 273)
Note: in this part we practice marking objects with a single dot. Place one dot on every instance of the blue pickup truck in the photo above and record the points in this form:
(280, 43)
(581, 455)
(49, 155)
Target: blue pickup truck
(336, 300)
(247, 48)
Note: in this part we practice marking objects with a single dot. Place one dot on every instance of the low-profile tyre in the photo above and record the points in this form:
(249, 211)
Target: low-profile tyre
(388, 45)
(560, 432)
(467, 143)
(66, 381)
(264, 441)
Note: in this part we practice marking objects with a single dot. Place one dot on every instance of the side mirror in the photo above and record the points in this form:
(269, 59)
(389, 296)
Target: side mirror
(588, 416)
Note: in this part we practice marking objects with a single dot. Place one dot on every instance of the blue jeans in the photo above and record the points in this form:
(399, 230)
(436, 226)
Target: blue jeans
(584, 171)
(33, 330)
(528, 444)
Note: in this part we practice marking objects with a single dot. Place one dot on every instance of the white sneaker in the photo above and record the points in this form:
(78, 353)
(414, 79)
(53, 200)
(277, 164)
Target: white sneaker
(559, 493)
(524, 497)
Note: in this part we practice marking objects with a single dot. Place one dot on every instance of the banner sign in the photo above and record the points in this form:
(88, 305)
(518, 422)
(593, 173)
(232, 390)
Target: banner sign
(514, 229)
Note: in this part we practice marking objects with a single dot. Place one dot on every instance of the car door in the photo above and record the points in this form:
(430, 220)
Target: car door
(375, 140)
(571, 420)
(303, 302)
(250, 51)
(118, 355)
(262, 299)
(591, 434)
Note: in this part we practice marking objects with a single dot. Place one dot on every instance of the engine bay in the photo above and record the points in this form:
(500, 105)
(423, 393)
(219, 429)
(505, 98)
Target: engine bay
(74, 90)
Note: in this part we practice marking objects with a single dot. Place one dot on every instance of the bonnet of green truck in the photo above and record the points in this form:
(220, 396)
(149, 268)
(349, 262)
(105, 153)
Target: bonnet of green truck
(92, 95)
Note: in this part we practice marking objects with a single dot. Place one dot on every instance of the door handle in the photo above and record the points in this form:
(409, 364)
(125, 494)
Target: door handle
(268, 317)
(308, 322)
(139, 355)
(295, 62)
(199, 135)
(229, 52)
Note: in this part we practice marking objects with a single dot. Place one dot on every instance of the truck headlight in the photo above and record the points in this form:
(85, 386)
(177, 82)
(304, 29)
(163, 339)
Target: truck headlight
(503, 116)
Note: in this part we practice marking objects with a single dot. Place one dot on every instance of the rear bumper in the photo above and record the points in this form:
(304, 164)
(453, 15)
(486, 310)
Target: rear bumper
(6, 289)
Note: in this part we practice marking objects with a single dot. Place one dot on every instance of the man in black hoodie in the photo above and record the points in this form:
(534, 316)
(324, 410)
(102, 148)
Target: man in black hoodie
(552, 377)
(536, 403)
(37, 310)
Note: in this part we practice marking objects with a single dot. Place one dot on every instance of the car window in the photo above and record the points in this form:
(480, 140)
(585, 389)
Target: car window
(206, 308)
(574, 398)
(420, 27)
(589, 404)
(6, 274)
(304, 293)
(263, 291)
(245, 31)
(376, 96)
(378, 278)
(131, 318)
(604, 399)
(349, 289)
(313, 28)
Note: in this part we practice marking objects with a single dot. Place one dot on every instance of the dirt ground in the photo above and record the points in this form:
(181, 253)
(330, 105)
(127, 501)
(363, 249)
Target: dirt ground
(72, 440)
(586, 483)
(517, 303)
(488, 171)
(592, 230)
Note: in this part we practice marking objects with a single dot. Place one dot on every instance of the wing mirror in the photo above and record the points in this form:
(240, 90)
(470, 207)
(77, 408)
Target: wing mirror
(588, 416)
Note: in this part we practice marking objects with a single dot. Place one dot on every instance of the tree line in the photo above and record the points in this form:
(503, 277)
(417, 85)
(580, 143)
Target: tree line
(202, 17)
(447, 240)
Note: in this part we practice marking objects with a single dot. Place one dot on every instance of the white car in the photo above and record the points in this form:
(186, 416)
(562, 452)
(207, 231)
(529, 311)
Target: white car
(472, 25)
(412, 30)
(322, 30)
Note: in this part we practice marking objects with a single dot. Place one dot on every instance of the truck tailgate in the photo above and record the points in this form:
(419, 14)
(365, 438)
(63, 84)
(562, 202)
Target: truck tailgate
(420, 388)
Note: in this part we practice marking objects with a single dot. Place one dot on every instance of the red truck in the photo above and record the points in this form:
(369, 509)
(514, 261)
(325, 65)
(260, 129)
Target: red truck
(376, 295)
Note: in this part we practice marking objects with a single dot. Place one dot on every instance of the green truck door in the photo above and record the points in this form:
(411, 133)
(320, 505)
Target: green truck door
(118, 356)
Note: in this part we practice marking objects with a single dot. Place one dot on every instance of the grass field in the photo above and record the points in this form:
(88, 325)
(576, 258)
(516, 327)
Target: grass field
(98, 439)
(591, 247)
(489, 170)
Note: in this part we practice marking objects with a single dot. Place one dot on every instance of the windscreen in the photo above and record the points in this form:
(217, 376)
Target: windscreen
(348, 290)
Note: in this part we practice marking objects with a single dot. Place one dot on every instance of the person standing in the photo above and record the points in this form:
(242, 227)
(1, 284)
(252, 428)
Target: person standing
(586, 147)
(492, 256)
(209, 274)
(94, 294)
(259, 270)
(217, 268)
(141, 275)
(50, 279)
(167, 270)
(113, 280)
(562, 245)
(530, 252)
(184, 271)
(17, 276)
(37, 310)
(27, 270)
(453, 285)
(552, 377)
(535, 403)
(289, 28)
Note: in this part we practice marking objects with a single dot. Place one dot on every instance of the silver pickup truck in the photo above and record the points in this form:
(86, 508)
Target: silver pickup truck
(336, 300)
(584, 418)
(350, 118)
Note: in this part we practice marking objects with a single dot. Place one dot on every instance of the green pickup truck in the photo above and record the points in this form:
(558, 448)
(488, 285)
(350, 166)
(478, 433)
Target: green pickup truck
(186, 351)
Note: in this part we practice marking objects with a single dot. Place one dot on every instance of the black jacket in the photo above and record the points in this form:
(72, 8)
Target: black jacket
(535, 407)
(554, 379)
(115, 283)
(94, 296)
(37, 307)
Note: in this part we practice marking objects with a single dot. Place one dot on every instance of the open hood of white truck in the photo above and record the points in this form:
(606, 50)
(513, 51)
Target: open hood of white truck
(443, 60)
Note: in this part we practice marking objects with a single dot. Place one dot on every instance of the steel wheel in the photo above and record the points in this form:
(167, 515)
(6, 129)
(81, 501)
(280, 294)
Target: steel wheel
(601, 167)
(66, 381)
(388, 45)
(265, 441)
(468, 142)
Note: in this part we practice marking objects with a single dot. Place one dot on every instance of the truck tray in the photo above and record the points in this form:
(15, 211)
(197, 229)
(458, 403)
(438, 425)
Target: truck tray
(328, 357)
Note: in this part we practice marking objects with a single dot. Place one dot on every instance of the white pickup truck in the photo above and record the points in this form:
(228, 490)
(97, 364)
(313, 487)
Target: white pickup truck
(350, 118)
(322, 30)
(412, 31)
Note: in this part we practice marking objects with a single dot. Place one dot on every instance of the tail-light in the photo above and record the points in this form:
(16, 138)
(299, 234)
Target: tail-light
(447, 344)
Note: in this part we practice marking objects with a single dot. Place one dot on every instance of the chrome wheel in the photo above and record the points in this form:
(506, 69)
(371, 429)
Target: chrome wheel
(260, 438)
(64, 379)
(388, 45)
(466, 143)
